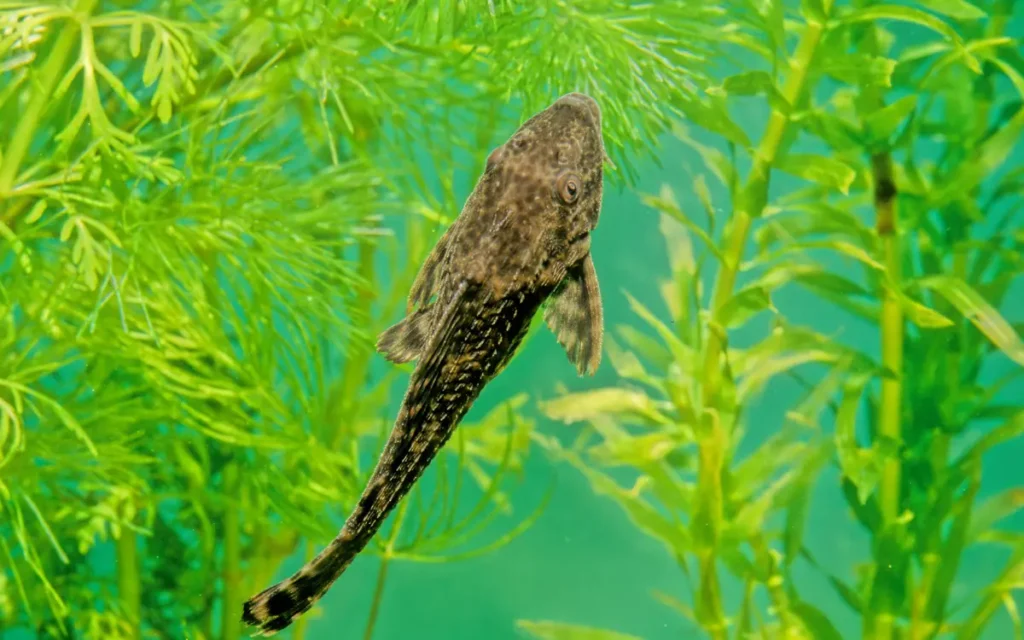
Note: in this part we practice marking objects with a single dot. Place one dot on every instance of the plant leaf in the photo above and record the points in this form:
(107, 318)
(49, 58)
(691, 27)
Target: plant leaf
(816, 622)
(752, 83)
(988, 158)
(822, 170)
(959, 9)
(979, 312)
(667, 205)
(713, 115)
(860, 465)
(922, 316)
(743, 305)
(879, 12)
(881, 124)
(546, 630)
(612, 401)
(990, 512)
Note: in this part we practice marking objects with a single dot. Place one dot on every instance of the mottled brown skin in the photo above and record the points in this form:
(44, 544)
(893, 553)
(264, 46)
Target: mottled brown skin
(522, 239)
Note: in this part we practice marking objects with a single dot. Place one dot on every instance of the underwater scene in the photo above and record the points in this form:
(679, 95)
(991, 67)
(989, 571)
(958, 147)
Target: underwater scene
(512, 319)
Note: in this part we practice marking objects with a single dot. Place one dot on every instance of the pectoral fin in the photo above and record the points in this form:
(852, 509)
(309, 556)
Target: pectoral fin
(428, 278)
(406, 340)
(574, 315)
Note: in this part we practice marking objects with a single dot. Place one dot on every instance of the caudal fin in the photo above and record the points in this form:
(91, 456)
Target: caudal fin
(275, 608)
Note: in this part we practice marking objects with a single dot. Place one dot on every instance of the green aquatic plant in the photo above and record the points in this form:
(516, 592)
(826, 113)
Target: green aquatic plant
(198, 206)
(944, 235)
(906, 424)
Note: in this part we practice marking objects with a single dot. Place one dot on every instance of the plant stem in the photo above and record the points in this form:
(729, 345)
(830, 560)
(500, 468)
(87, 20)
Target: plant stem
(890, 414)
(880, 621)
(752, 202)
(776, 586)
(378, 596)
(892, 328)
(358, 359)
(231, 574)
(43, 82)
(129, 585)
(382, 573)
(713, 440)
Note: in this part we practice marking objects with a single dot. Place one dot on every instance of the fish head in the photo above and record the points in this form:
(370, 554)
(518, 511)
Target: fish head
(552, 166)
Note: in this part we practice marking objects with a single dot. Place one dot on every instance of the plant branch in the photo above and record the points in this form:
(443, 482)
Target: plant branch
(879, 621)
(713, 440)
(889, 419)
(44, 83)
(129, 584)
(354, 374)
(382, 573)
(378, 597)
(231, 573)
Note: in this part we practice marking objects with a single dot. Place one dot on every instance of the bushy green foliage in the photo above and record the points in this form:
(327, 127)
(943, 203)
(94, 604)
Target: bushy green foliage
(197, 207)
(877, 89)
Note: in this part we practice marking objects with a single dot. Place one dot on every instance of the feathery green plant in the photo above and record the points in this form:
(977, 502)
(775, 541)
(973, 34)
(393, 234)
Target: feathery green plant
(194, 232)
(938, 260)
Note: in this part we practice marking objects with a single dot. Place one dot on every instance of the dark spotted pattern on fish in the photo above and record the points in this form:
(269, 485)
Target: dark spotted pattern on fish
(522, 239)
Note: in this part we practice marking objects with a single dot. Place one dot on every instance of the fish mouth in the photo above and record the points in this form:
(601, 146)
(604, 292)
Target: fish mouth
(582, 100)
(579, 237)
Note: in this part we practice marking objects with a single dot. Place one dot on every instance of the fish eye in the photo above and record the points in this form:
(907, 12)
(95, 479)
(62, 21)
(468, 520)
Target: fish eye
(568, 187)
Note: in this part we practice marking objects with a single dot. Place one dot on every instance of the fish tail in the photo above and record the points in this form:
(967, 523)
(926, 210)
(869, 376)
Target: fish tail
(423, 425)
(471, 343)
(402, 462)
(275, 608)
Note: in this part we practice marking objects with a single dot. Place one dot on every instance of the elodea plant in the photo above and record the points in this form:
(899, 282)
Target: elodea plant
(892, 128)
(199, 207)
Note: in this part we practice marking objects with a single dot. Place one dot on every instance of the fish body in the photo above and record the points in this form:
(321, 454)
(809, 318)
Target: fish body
(521, 240)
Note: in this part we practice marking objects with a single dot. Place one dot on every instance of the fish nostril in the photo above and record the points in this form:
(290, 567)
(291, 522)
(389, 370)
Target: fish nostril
(494, 157)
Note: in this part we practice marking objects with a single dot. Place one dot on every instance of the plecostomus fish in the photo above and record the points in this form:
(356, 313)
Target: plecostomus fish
(522, 239)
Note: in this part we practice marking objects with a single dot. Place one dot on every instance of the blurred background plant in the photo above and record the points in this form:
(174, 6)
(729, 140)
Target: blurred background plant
(208, 211)
(894, 197)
